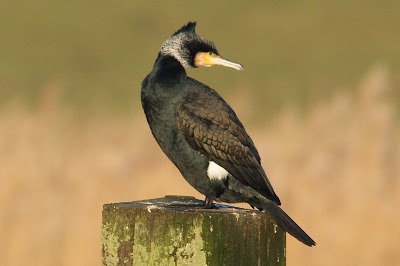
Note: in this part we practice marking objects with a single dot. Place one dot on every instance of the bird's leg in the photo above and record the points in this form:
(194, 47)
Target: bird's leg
(208, 203)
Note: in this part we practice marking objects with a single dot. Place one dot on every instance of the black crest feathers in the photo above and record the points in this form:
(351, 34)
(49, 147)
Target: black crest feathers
(190, 27)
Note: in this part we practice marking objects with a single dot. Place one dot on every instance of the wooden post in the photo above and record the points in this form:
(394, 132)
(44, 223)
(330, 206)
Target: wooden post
(160, 232)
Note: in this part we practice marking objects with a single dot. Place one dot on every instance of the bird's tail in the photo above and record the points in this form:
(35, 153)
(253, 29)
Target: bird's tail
(285, 222)
(280, 217)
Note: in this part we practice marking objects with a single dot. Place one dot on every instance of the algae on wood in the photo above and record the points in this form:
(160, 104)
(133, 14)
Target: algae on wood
(162, 232)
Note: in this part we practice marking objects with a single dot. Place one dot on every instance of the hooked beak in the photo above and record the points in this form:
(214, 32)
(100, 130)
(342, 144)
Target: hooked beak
(218, 60)
(207, 59)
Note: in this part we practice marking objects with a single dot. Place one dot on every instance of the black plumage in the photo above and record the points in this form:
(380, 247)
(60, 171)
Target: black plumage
(201, 134)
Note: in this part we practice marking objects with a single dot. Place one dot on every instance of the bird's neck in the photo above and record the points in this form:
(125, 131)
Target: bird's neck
(165, 83)
(169, 66)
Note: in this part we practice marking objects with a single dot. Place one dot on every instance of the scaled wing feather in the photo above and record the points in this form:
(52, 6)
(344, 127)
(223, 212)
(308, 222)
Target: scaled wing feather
(212, 128)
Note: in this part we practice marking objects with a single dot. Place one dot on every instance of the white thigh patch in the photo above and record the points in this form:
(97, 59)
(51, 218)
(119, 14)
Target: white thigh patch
(216, 172)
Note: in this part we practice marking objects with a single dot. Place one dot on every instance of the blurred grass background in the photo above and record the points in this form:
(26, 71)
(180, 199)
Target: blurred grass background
(319, 95)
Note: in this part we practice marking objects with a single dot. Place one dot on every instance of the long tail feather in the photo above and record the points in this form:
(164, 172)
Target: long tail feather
(254, 198)
(286, 223)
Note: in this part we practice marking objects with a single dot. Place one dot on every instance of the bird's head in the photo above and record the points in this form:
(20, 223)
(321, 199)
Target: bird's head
(192, 50)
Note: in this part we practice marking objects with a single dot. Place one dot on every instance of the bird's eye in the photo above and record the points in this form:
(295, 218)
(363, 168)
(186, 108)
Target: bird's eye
(210, 53)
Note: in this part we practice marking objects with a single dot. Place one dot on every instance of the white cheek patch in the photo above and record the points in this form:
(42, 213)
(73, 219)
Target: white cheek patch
(174, 47)
(216, 172)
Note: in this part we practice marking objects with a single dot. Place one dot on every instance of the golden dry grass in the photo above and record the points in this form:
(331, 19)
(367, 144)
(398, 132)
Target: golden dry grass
(336, 170)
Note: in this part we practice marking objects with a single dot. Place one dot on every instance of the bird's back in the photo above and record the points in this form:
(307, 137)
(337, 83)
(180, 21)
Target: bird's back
(212, 128)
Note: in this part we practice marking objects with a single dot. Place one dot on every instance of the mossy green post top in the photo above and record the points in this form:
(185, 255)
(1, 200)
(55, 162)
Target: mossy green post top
(166, 231)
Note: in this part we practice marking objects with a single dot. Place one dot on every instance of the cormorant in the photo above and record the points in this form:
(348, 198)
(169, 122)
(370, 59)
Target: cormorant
(201, 134)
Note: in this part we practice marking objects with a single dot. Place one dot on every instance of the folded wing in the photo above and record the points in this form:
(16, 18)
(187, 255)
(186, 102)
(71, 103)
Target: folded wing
(211, 127)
